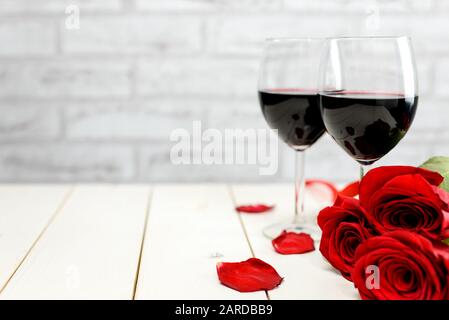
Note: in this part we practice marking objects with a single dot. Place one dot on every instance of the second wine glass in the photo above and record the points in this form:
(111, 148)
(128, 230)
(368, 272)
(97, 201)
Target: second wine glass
(368, 94)
(288, 97)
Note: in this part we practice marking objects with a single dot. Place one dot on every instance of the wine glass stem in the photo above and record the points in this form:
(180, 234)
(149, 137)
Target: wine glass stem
(364, 169)
(300, 187)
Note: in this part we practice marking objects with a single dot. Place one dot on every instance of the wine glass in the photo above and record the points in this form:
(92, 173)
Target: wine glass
(368, 94)
(288, 81)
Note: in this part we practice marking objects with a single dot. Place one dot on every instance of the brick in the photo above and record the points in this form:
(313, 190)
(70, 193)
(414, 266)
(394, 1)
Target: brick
(422, 5)
(442, 4)
(149, 120)
(27, 37)
(240, 114)
(425, 76)
(206, 5)
(428, 33)
(427, 114)
(203, 77)
(441, 85)
(57, 6)
(136, 34)
(155, 166)
(65, 79)
(415, 26)
(27, 121)
(407, 152)
(431, 47)
(66, 162)
(174, 5)
(245, 35)
(356, 6)
(323, 6)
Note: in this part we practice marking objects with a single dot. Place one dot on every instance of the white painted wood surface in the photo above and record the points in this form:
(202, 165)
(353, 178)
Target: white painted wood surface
(25, 211)
(187, 226)
(307, 276)
(91, 249)
(86, 242)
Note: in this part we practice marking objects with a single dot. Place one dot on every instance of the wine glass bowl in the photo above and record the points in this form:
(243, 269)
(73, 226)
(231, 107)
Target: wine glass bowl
(295, 114)
(368, 94)
(367, 125)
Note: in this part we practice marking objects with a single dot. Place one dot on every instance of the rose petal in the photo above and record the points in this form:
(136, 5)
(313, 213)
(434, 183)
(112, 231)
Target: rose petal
(317, 186)
(443, 195)
(293, 243)
(376, 178)
(247, 276)
(350, 190)
(254, 208)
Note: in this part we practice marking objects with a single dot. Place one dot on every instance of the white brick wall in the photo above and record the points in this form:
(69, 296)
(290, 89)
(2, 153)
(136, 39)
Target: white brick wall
(212, 78)
(58, 6)
(99, 103)
(30, 121)
(133, 35)
(151, 120)
(63, 79)
(15, 36)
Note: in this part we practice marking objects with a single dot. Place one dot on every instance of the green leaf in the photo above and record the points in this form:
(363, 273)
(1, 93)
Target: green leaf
(440, 165)
(446, 241)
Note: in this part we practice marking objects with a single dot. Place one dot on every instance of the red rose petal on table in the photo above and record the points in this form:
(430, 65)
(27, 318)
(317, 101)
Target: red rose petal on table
(247, 276)
(350, 190)
(319, 187)
(293, 243)
(323, 189)
(254, 208)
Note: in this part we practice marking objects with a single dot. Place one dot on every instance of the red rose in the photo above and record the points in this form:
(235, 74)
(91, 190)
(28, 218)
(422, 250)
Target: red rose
(402, 265)
(344, 228)
(401, 197)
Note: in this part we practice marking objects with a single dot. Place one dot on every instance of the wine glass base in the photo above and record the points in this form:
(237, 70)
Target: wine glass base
(274, 230)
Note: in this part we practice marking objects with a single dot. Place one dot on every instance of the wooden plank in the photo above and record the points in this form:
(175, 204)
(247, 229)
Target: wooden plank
(25, 211)
(307, 276)
(91, 249)
(187, 226)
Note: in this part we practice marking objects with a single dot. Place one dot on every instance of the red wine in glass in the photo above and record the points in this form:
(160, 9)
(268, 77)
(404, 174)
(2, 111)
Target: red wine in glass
(295, 114)
(367, 125)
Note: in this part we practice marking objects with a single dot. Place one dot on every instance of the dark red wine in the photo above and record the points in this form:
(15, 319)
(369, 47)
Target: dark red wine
(296, 116)
(367, 125)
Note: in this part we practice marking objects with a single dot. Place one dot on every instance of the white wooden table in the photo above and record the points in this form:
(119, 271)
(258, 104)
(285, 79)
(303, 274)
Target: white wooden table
(146, 242)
